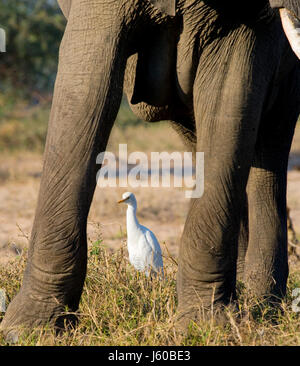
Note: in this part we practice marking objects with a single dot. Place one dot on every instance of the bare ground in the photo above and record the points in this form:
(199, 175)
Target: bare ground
(163, 210)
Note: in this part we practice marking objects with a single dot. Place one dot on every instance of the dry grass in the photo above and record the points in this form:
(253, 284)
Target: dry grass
(121, 307)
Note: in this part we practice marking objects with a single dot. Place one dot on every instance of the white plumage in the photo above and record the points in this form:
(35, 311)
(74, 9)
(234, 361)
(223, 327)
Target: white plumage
(143, 247)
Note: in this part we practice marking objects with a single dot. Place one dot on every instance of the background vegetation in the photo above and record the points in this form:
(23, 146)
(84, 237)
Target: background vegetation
(34, 29)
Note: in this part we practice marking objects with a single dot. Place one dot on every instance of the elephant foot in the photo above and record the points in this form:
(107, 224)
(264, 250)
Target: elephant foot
(26, 313)
(217, 315)
(263, 286)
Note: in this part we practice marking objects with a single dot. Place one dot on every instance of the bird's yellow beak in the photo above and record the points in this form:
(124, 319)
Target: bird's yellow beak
(123, 200)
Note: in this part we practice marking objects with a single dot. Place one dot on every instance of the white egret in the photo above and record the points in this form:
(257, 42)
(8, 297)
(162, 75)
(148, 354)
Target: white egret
(143, 247)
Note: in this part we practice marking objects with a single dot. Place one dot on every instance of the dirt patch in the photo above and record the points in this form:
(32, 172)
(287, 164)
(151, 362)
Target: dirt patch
(163, 210)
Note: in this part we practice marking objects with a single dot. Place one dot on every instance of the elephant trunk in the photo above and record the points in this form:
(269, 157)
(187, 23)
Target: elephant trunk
(291, 26)
(87, 97)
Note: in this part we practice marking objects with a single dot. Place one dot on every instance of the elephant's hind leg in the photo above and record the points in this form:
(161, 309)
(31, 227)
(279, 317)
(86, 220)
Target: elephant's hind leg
(266, 264)
(243, 241)
(227, 120)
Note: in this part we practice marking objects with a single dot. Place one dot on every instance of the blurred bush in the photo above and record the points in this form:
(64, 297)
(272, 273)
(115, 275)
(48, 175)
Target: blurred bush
(34, 29)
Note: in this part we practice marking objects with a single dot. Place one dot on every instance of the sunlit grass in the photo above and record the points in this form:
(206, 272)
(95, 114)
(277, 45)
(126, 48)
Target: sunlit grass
(122, 307)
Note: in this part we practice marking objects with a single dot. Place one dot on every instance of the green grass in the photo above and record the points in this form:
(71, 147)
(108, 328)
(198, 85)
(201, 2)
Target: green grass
(24, 127)
(122, 307)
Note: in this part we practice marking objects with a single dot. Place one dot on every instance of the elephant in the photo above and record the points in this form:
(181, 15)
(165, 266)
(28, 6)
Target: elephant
(226, 75)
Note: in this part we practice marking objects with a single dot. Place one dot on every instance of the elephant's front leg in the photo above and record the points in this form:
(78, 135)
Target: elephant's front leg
(228, 104)
(87, 95)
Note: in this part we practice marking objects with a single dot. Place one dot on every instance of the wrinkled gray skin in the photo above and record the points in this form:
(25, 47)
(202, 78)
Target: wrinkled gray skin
(226, 77)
